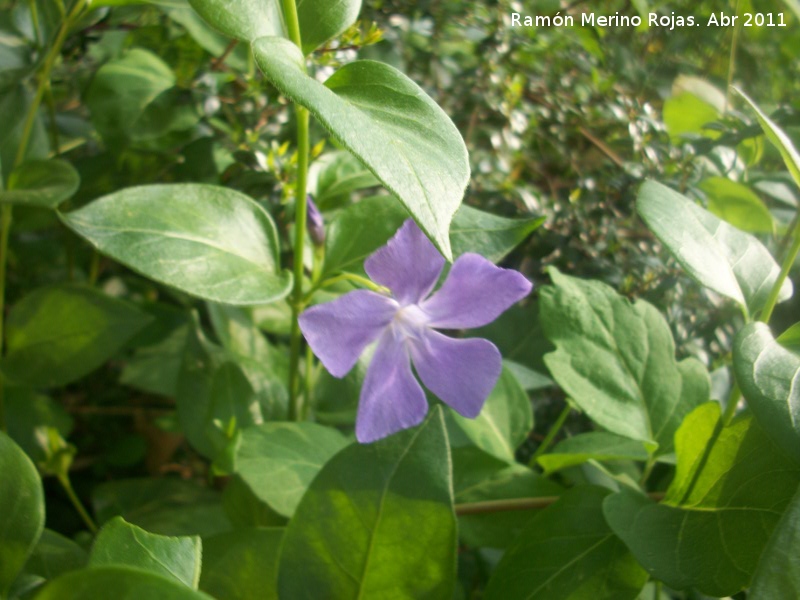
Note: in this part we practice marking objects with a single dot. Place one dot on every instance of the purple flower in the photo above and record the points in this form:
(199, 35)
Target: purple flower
(462, 372)
(314, 223)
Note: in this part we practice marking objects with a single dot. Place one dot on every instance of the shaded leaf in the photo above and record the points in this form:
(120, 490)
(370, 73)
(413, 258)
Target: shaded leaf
(778, 572)
(389, 123)
(126, 582)
(719, 511)
(59, 334)
(594, 445)
(208, 241)
(567, 551)
(44, 183)
(377, 515)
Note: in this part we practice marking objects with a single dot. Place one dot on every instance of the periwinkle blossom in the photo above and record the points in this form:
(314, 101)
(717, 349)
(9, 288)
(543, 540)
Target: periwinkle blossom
(461, 372)
(315, 223)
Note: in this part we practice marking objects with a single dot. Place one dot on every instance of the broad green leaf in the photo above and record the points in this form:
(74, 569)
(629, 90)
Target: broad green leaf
(167, 506)
(480, 477)
(216, 386)
(504, 422)
(737, 204)
(778, 137)
(242, 564)
(45, 183)
(278, 461)
(389, 123)
(769, 376)
(791, 338)
(59, 334)
(122, 89)
(562, 556)
(243, 19)
(486, 234)
(320, 20)
(155, 368)
(122, 544)
(26, 410)
(360, 229)
(208, 38)
(338, 175)
(22, 507)
(208, 241)
(719, 511)
(616, 360)
(14, 104)
(123, 582)
(55, 554)
(245, 510)
(719, 256)
(594, 445)
(778, 572)
(686, 114)
(377, 519)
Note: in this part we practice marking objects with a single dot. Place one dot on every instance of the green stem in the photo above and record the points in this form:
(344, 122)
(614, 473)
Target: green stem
(733, 402)
(514, 504)
(94, 268)
(551, 435)
(5, 228)
(76, 502)
(772, 300)
(732, 58)
(303, 148)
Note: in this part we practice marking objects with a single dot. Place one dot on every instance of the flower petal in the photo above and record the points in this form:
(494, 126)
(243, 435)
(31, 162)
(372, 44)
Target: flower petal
(391, 398)
(339, 331)
(475, 293)
(408, 264)
(460, 372)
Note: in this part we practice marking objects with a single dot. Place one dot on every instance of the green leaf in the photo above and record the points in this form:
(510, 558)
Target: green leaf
(166, 506)
(558, 556)
(616, 360)
(279, 460)
(717, 255)
(377, 515)
(719, 511)
(122, 544)
(245, 510)
(14, 103)
(594, 445)
(242, 564)
(124, 582)
(59, 334)
(208, 241)
(791, 338)
(778, 572)
(778, 137)
(389, 123)
(22, 507)
(503, 423)
(769, 375)
(338, 175)
(694, 103)
(122, 89)
(44, 183)
(243, 19)
(360, 229)
(53, 555)
(486, 234)
(737, 204)
(480, 477)
(320, 20)
(155, 368)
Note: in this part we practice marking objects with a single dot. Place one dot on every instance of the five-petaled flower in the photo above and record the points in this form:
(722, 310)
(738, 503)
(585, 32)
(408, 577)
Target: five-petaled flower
(461, 372)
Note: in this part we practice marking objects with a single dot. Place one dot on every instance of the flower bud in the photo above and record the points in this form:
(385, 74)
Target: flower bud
(314, 222)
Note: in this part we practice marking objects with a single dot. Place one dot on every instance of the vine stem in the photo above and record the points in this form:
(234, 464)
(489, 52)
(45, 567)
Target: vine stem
(551, 435)
(772, 300)
(514, 504)
(303, 148)
(76, 502)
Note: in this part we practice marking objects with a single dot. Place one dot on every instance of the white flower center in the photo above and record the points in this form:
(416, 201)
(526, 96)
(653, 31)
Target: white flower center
(410, 320)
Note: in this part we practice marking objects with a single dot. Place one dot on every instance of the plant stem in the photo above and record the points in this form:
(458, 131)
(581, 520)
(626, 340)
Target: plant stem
(733, 402)
(732, 59)
(551, 435)
(513, 504)
(5, 227)
(362, 281)
(76, 502)
(301, 114)
(772, 300)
